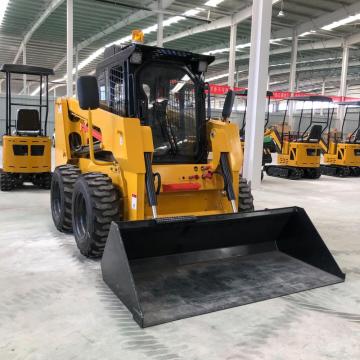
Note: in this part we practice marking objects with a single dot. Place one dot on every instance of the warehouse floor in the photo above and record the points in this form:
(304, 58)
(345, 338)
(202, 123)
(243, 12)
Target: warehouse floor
(54, 304)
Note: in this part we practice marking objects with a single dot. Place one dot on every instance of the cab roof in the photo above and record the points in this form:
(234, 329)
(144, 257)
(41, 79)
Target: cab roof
(26, 69)
(319, 98)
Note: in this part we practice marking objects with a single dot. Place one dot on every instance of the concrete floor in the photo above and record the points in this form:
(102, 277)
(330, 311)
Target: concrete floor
(54, 304)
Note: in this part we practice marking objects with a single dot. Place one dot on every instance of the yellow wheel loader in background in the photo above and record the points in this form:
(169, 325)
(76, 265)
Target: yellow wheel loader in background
(299, 151)
(26, 146)
(342, 153)
(146, 181)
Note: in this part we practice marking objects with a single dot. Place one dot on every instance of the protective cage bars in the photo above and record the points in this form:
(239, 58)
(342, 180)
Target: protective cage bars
(40, 105)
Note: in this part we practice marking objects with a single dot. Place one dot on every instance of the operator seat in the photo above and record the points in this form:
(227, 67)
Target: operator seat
(28, 122)
(315, 134)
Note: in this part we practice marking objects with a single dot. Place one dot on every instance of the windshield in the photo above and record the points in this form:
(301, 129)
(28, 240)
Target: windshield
(168, 103)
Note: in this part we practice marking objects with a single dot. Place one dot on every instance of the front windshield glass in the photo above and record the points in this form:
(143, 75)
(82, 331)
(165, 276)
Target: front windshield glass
(168, 104)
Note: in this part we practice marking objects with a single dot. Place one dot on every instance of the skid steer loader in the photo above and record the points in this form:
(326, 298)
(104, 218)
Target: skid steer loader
(341, 152)
(144, 180)
(299, 151)
(26, 146)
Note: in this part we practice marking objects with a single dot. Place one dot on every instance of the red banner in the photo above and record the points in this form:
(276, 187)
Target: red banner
(278, 95)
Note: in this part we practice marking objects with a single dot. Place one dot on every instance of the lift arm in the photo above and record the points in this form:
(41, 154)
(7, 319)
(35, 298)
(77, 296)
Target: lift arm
(323, 146)
(276, 137)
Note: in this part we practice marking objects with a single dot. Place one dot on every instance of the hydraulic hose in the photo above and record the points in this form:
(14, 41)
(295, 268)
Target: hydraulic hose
(150, 186)
(224, 163)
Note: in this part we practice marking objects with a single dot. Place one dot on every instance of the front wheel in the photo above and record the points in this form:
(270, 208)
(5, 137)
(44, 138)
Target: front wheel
(6, 181)
(95, 204)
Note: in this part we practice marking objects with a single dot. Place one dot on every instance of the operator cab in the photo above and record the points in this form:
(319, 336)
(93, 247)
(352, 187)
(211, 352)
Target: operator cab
(31, 118)
(316, 126)
(244, 94)
(165, 89)
(352, 111)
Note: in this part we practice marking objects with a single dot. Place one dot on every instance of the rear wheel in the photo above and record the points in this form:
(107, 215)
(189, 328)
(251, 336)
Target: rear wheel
(6, 181)
(95, 204)
(62, 184)
(43, 181)
(246, 200)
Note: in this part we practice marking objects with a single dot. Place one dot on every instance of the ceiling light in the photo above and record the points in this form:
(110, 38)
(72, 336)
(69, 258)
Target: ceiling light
(193, 12)
(243, 46)
(281, 12)
(3, 7)
(304, 34)
(216, 51)
(213, 3)
(342, 22)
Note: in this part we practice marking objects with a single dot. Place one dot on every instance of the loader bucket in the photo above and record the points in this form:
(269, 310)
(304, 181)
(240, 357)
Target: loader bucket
(170, 269)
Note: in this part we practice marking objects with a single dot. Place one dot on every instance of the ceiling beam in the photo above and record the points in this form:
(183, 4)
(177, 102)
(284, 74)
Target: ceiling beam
(41, 19)
(320, 21)
(318, 45)
(314, 81)
(277, 72)
(313, 24)
(221, 23)
(127, 20)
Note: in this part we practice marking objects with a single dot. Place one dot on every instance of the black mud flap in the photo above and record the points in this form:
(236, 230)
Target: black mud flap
(168, 270)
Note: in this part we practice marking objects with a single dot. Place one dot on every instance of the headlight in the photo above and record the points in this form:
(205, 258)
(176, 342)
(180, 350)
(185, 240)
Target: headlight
(136, 58)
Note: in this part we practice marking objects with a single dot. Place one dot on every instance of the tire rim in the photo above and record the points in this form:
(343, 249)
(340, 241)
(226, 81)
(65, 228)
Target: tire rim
(56, 199)
(80, 219)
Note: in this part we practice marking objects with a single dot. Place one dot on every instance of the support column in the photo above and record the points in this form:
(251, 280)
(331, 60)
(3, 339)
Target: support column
(343, 80)
(258, 75)
(292, 79)
(76, 68)
(237, 76)
(160, 29)
(69, 44)
(232, 54)
(24, 63)
(322, 93)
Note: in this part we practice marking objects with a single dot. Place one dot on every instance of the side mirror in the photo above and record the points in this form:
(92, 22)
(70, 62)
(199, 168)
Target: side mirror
(88, 92)
(228, 104)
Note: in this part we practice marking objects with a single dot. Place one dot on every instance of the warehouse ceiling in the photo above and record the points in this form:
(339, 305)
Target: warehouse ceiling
(98, 23)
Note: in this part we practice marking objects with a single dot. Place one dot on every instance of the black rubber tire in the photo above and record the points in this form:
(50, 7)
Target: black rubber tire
(296, 174)
(246, 200)
(62, 184)
(312, 173)
(43, 181)
(270, 170)
(355, 171)
(95, 204)
(6, 181)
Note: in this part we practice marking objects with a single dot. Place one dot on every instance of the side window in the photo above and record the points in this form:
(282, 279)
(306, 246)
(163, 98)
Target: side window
(117, 91)
(102, 91)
